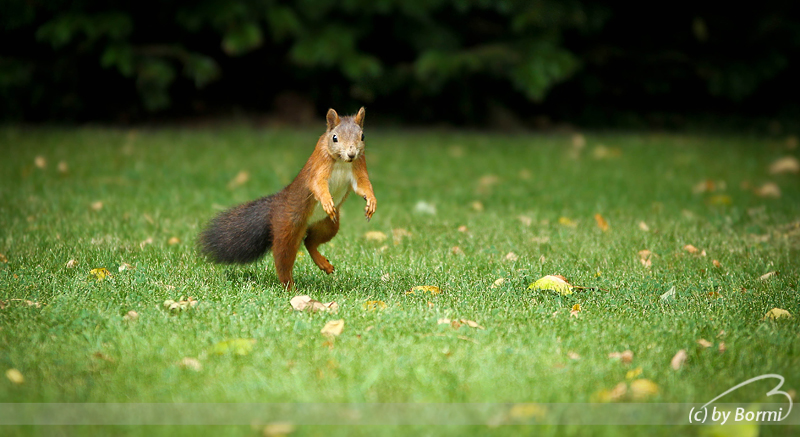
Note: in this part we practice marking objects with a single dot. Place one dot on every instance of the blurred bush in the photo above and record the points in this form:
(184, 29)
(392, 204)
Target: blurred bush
(418, 60)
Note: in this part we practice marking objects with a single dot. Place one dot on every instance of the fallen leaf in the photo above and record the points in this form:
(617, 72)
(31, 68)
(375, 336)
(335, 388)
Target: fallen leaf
(375, 236)
(716, 264)
(565, 221)
(511, 256)
(777, 313)
(63, 167)
(477, 206)
(101, 356)
(333, 328)
(705, 343)
(278, 429)
(144, 243)
(125, 266)
(678, 359)
(180, 305)
(100, 273)
(767, 275)
(525, 220)
(386, 277)
(643, 226)
(191, 364)
(462, 228)
(644, 258)
(625, 357)
(575, 310)
(669, 295)
(769, 189)
(40, 162)
(15, 376)
(573, 355)
(601, 222)
(633, 373)
(498, 282)
(556, 283)
(422, 289)
(691, 249)
(399, 234)
(372, 305)
(71, 264)
(722, 347)
(303, 303)
(443, 321)
(472, 324)
(423, 207)
(130, 316)
(787, 164)
(705, 186)
(241, 178)
(615, 394)
(173, 241)
(643, 389)
(97, 206)
(236, 346)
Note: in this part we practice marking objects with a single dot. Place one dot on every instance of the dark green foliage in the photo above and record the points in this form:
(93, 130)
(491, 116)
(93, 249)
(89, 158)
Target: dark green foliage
(434, 60)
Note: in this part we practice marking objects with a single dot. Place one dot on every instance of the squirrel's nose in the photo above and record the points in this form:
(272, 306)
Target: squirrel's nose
(351, 155)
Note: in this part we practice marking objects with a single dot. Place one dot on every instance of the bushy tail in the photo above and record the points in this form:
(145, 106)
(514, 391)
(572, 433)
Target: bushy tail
(239, 235)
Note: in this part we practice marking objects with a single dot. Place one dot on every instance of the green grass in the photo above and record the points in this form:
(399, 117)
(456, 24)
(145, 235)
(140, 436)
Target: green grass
(167, 183)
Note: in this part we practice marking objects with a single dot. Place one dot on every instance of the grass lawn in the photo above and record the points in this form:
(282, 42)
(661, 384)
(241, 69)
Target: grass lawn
(475, 208)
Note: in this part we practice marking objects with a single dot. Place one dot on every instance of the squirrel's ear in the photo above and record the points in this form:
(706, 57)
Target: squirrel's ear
(333, 119)
(360, 117)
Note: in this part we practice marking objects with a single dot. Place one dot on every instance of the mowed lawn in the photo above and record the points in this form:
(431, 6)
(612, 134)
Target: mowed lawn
(460, 211)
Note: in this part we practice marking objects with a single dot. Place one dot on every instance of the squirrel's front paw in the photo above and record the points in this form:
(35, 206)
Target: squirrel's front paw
(330, 209)
(370, 209)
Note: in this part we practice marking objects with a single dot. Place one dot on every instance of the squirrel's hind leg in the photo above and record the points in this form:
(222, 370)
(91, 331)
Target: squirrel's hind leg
(320, 233)
(284, 249)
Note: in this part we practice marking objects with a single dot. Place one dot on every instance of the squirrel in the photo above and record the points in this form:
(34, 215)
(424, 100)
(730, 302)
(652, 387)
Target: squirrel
(306, 210)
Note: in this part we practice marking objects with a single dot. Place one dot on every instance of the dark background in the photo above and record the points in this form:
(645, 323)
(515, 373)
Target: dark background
(502, 64)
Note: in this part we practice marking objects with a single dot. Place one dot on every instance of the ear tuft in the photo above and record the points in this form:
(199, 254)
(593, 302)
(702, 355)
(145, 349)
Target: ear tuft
(360, 117)
(333, 119)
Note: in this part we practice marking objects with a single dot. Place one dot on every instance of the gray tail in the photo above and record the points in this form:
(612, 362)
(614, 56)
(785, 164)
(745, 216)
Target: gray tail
(239, 235)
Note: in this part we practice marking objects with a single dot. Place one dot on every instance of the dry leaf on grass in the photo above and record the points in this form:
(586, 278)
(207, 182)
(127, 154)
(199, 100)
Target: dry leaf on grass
(722, 347)
(180, 305)
(615, 394)
(767, 275)
(477, 206)
(457, 323)
(423, 289)
(71, 264)
(462, 228)
(691, 249)
(306, 303)
(333, 328)
(787, 164)
(642, 389)
(63, 167)
(3, 258)
(191, 364)
(125, 266)
(377, 236)
(777, 313)
(455, 250)
(573, 355)
(633, 373)
(173, 241)
(601, 222)
(241, 178)
(100, 273)
(148, 240)
(15, 376)
(372, 305)
(498, 282)
(130, 316)
(511, 256)
(399, 234)
(705, 343)
(97, 206)
(645, 258)
(716, 264)
(625, 357)
(643, 226)
(769, 189)
(678, 359)
(40, 162)
(576, 309)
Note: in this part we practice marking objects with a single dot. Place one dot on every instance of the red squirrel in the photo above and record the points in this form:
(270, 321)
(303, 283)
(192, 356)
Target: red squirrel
(307, 210)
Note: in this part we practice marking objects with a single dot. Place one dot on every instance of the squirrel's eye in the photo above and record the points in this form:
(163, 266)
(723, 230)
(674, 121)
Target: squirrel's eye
(335, 139)
(362, 137)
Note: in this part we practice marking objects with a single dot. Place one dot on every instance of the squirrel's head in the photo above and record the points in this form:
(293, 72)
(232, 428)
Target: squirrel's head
(345, 135)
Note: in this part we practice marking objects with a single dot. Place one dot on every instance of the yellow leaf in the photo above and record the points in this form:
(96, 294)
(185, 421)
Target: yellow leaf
(333, 328)
(601, 222)
(237, 346)
(100, 273)
(633, 373)
(377, 236)
(777, 313)
(643, 389)
(575, 310)
(422, 289)
(567, 222)
(15, 376)
(556, 283)
(372, 305)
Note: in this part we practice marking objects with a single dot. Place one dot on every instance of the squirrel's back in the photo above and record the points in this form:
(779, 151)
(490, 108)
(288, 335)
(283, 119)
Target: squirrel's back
(241, 234)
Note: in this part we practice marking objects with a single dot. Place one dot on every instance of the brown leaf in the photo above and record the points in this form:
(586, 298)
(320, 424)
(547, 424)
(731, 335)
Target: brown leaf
(97, 206)
(787, 164)
(691, 249)
(705, 343)
(767, 275)
(306, 303)
(722, 347)
(3, 258)
(241, 178)
(130, 316)
(71, 264)
(333, 328)
(477, 206)
(625, 357)
(601, 222)
(716, 263)
(678, 359)
(644, 257)
(462, 228)
(173, 241)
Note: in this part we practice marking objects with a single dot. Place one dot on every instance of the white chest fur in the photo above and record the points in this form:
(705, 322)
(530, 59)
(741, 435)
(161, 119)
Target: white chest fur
(339, 183)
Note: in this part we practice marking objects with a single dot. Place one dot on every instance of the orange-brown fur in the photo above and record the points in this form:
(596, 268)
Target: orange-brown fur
(288, 211)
